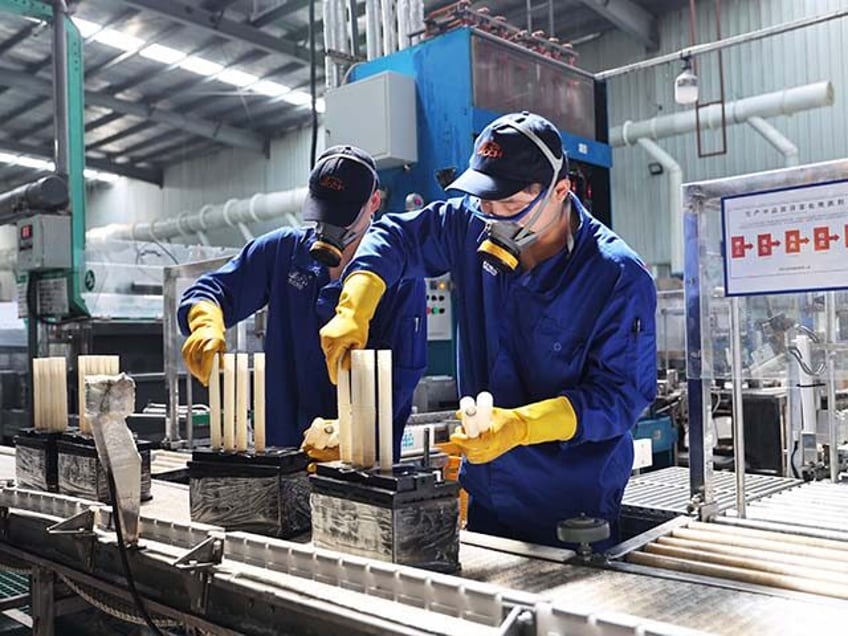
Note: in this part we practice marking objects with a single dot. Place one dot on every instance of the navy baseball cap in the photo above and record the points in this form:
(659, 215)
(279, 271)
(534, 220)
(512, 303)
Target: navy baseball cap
(506, 161)
(340, 184)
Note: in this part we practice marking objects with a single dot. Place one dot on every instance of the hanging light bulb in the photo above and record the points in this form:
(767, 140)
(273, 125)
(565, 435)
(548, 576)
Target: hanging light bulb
(686, 85)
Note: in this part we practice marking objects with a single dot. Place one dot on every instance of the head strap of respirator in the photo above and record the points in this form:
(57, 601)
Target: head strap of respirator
(331, 240)
(504, 240)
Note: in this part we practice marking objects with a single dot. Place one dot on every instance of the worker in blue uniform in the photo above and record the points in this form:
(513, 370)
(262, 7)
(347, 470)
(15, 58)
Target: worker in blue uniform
(296, 273)
(557, 322)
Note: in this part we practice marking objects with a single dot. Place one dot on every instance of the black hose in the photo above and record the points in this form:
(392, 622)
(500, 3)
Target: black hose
(792, 460)
(122, 550)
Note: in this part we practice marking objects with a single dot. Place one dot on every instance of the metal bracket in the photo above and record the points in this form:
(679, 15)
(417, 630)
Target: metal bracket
(81, 524)
(518, 622)
(198, 561)
(206, 554)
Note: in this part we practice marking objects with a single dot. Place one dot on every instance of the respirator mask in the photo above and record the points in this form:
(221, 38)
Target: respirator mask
(331, 240)
(504, 238)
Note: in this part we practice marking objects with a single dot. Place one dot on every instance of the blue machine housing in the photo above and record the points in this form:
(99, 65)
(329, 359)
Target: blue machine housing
(449, 119)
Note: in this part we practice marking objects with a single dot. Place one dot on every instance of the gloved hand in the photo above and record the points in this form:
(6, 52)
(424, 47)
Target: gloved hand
(321, 440)
(348, 329)
(206, 322)
(545, 421)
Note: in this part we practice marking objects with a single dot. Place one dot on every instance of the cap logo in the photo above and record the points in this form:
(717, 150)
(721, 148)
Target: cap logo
(490, 150)
(331, 182)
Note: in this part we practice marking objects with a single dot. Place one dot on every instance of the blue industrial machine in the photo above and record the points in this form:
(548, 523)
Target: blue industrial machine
(663, 435)
(418, 111)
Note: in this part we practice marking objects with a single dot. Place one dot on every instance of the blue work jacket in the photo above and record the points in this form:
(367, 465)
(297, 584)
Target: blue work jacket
(580, 324)
(277, 270)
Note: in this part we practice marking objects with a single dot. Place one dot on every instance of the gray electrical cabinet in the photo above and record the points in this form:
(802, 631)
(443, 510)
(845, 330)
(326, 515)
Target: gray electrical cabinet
(376, 114)
(44, 242)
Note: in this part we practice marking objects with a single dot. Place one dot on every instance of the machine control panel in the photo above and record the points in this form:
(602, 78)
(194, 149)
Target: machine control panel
(44, 242)
(439, 313)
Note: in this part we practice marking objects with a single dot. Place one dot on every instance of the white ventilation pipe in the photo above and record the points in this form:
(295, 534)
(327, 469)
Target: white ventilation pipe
(675, 199)
(373, 41)
(785, 102)
(389, 23)
(403, 23)
(234, 213)
(416, 20)
(342, 39)
(777, 139)
(330, 34)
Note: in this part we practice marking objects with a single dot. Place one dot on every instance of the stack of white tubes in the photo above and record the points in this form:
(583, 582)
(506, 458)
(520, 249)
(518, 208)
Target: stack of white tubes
(228, 418)
(365, 407)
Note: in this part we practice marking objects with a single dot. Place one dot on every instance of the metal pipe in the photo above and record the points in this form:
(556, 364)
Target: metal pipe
(342, 40)
(329, 17)
(735, 40)
(675, 200)
(259, 207)
(46, 194)
(726, 548)
(60, 87)
(772, 565)
(373, 44)
(832, 433)
(738, 416)
(739, 574)
(389, 26)
(403, 9)
(785, 102)
(777, 139)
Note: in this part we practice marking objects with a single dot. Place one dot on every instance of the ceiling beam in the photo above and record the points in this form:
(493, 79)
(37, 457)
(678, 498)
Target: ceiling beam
(629, 17)
(275, 13)
(203, 128)
(215, 23)
(150, 175)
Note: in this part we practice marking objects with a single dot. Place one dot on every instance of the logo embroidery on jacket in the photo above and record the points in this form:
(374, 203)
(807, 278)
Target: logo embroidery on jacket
(299, 280)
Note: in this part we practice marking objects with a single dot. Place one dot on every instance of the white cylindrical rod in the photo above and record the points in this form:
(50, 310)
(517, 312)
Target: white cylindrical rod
(363, 407)
(344, 414)
(259, 402)
(215, 404)
(384, 413)
(468, 414)
(242, 388)
(368, 403)
(38, 393)
(485, 403)
(357, 379)
(60, 390)
(229, 402)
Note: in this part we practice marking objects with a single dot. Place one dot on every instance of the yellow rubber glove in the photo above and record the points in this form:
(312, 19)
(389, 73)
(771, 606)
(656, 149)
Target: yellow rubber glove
(545, 421)
(206, 321)
(348, 329)
(321, 440)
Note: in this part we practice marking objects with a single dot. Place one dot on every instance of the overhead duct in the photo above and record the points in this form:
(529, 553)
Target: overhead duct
(750, 110)
(260, 207)
(785, 102)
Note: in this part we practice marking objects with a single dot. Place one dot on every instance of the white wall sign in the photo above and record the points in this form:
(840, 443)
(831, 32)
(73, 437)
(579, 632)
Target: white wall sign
(786, 240)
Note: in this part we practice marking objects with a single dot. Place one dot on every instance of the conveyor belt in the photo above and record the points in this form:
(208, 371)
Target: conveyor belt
(693, 605)
(667, 490)
(687, 604)
(819, 505)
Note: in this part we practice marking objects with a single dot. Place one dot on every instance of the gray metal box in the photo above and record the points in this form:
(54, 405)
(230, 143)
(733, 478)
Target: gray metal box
(378, 115)
(44, 242)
